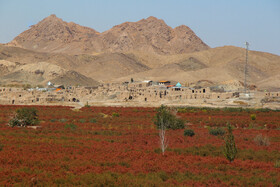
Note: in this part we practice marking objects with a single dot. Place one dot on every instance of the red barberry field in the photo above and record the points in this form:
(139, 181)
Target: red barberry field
(119, 146)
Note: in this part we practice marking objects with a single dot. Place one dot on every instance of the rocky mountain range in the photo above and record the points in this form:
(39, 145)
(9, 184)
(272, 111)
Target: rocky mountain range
(52, 34)
(68, 53)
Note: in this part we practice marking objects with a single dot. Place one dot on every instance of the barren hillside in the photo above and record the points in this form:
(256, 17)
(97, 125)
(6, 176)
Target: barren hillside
(218, 65)
(21, 66)
(151, 35)
(147, 49)
(52, 34)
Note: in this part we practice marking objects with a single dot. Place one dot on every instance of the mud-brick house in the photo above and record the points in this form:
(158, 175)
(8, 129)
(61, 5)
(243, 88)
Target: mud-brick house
(134, 90)
(272, 94)
(124, 96)
(155, 93)
(140, 84)
(180, 92)
(223, 95)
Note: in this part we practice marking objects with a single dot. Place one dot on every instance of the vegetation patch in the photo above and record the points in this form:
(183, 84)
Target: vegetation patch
(189, 132)
(217, 131)
(24, 117)
(126, 150)
(71, 126)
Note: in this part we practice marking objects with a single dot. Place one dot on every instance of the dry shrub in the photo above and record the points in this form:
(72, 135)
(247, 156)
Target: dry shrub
(277, 164)
(262, 140)
(240, 102)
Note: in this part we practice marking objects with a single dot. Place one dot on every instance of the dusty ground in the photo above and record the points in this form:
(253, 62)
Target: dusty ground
(212, 103)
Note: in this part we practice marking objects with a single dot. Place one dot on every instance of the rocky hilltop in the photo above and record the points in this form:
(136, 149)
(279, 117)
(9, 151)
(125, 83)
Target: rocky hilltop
(52, 34)
(68, 53)
(151, 35)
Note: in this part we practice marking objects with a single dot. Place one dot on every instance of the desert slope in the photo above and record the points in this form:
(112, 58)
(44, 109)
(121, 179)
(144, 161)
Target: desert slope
(104, 66)
(151, 35)
(40, 73)
(218, 65)
(146, 49)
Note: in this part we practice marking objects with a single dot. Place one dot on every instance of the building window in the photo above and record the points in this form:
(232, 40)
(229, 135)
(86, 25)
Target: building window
(192, 91)
(203, 90)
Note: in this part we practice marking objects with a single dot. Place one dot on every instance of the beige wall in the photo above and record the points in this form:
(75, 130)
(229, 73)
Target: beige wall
(138, 91)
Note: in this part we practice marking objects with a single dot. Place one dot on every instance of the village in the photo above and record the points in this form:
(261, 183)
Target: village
(133, 93)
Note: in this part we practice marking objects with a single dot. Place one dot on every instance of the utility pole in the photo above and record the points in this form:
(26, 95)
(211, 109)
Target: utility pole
(246, 66)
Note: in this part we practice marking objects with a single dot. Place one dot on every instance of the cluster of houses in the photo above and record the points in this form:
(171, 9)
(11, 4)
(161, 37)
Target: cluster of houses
(50, 94)
(163, 90)
(141, 91)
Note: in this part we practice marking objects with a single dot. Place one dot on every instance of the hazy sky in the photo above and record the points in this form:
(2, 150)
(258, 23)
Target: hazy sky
(216, 22)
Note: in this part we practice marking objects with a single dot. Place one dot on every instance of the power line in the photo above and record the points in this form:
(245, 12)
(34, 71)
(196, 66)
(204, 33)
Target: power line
(246, 67)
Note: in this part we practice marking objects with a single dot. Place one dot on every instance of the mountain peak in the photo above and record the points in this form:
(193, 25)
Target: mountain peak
(183, 27)
(152, 18)
(52, 16)
(52, 34)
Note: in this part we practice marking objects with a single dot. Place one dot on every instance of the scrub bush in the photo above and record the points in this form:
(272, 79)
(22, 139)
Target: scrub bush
(189, 132)
(24, 117)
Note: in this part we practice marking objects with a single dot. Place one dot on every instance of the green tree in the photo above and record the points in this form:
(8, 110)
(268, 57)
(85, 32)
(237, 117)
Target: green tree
(165, 116)
(164, 120)
(230, 149)
(24, 117)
